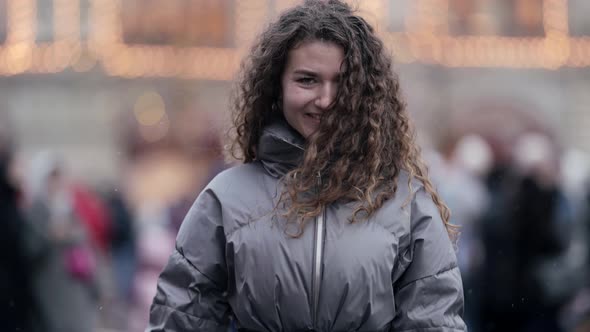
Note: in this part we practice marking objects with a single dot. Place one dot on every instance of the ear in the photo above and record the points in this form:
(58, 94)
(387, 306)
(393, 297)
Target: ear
(277, 105)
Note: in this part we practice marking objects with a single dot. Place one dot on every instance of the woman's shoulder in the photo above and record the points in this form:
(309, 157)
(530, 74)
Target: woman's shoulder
(405, 193)
(241, 192)
(407, 183)
(237, 178)
(397, 213)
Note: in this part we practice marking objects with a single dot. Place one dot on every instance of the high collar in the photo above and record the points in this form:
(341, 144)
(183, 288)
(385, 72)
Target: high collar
(280, 148)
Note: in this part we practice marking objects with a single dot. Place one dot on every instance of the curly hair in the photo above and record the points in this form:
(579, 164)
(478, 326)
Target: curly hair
(364, 140)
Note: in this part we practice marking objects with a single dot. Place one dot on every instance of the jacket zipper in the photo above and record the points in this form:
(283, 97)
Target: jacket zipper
(317, 267)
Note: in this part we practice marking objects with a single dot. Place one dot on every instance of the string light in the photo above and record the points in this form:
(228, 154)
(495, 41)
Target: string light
(425, 40)
(18, 58)
(429, 41)
(21, 15)
(20, 37)
(428, 17)
(555, 16)
(580, 52)
(2, 62)
(83, 60)
(66, 19)
(249, 16)
(105, 27)
(157, 61)
(38, 62)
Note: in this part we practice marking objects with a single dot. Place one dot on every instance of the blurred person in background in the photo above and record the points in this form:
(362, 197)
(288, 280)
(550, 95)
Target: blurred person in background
(65, 273)
(358, 239)
(457, 173)
(575, 176)
(576, 315)
(123, 243)
(19, 310)
(155, 241)
(92, 212)
(118, 232)
(526, 229)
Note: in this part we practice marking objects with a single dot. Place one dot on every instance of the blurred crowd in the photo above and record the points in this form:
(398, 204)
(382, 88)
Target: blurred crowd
(80, 256)
(523, 203)
(85, 257)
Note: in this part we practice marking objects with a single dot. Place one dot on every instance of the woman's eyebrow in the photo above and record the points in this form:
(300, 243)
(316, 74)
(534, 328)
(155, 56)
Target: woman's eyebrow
(305, 72)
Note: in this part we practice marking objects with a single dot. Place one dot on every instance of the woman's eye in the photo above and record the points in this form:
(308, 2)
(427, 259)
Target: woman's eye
(306, 80)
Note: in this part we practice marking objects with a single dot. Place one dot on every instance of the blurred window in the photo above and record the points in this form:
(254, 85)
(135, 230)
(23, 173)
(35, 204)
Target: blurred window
(496, 17)
(579, 24)
(44, 20)
(178, 22)
(3, 21)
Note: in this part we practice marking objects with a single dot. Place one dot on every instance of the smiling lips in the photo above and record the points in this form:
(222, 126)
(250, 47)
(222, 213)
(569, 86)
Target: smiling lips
(313, 116)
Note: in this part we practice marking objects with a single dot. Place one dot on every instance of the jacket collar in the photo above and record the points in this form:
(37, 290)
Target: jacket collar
(280, 148)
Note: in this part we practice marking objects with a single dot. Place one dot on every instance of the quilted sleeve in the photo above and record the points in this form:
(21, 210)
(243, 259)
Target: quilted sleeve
(429, 290)
(191, 293)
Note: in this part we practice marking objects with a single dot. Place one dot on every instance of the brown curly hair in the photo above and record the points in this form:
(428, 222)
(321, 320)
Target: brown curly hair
(364, 140)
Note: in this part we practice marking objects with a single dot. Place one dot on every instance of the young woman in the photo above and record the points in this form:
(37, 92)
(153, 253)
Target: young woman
(331, 223)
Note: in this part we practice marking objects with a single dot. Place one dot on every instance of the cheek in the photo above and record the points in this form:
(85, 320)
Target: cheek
(288, 103)
(295, 99)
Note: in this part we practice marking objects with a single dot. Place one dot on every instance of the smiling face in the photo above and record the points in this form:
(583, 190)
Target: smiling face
(310, 83)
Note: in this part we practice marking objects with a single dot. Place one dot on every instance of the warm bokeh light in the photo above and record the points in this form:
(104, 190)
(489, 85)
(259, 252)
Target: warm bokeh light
(21, 17)
(66, 20)
(18, 57)
(425, 40)
(248, 18)
(83, 60)
(155, 132)
(149, 109)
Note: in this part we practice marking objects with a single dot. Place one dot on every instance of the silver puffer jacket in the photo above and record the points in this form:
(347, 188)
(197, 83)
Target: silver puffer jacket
(394, 272)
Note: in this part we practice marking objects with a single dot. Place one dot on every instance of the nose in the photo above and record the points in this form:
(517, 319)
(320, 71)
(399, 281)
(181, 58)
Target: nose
(326, 95)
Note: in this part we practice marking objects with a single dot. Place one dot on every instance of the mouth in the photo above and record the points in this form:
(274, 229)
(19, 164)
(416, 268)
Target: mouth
(313, 116)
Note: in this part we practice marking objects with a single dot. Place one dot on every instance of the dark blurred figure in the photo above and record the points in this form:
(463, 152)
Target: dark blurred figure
(582, 303)
(577, 314)
(122, 252)
(457, 172)
(18, 310)
(123, 245)
(525, 231)
(65, 278)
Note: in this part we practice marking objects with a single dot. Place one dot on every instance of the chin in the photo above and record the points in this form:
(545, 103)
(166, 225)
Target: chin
(308, 133)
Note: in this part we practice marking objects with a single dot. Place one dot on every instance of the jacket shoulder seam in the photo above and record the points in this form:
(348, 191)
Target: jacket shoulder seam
(184, 313)
(241, 226)
(180, 252)
(452, 267)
